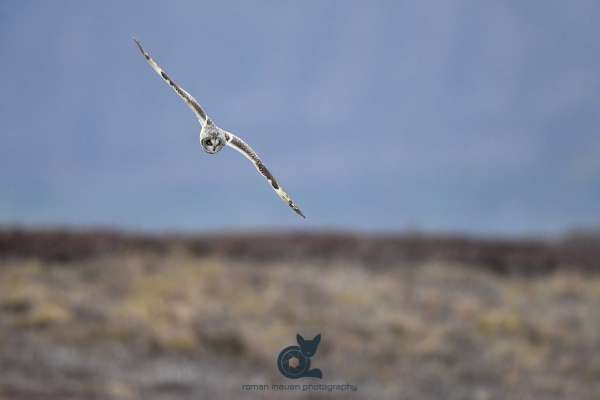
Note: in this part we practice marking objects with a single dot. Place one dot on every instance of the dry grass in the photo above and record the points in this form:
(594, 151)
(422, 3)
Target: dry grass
(173, 325)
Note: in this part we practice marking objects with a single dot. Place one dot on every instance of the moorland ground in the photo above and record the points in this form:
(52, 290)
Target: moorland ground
(104, 315)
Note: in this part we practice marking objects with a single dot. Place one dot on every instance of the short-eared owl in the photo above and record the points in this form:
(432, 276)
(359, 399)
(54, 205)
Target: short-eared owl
(213, 138)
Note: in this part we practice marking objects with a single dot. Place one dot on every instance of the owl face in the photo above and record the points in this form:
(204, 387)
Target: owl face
(212, 145)
(212, 138)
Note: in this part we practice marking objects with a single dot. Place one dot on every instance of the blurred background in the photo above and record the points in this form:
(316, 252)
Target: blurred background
(446, 155)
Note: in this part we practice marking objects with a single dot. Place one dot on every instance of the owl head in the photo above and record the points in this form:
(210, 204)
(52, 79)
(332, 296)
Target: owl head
(212, 138)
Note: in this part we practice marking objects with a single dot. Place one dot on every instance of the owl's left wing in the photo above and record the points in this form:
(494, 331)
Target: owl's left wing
(241, 146)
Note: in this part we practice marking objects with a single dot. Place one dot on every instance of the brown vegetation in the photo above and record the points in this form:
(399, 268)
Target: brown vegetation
(503, 256)
(111, 316)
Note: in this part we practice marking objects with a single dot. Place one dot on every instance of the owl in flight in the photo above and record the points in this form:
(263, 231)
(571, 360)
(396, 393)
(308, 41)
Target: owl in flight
(213, 138)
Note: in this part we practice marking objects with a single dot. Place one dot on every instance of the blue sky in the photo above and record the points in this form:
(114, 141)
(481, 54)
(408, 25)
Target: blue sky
(480, 117)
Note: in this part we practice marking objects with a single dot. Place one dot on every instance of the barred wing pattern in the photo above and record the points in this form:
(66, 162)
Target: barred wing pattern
(188, 98)
(241, 146)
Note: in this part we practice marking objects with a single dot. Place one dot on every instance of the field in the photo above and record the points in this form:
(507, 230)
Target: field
(105, 315)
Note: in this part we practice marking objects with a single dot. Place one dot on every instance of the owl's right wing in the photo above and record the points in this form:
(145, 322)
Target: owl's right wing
(194, 105)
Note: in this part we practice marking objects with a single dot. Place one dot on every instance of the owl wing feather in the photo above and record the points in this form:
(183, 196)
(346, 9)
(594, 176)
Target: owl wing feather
(241, 146)
(188, 98)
